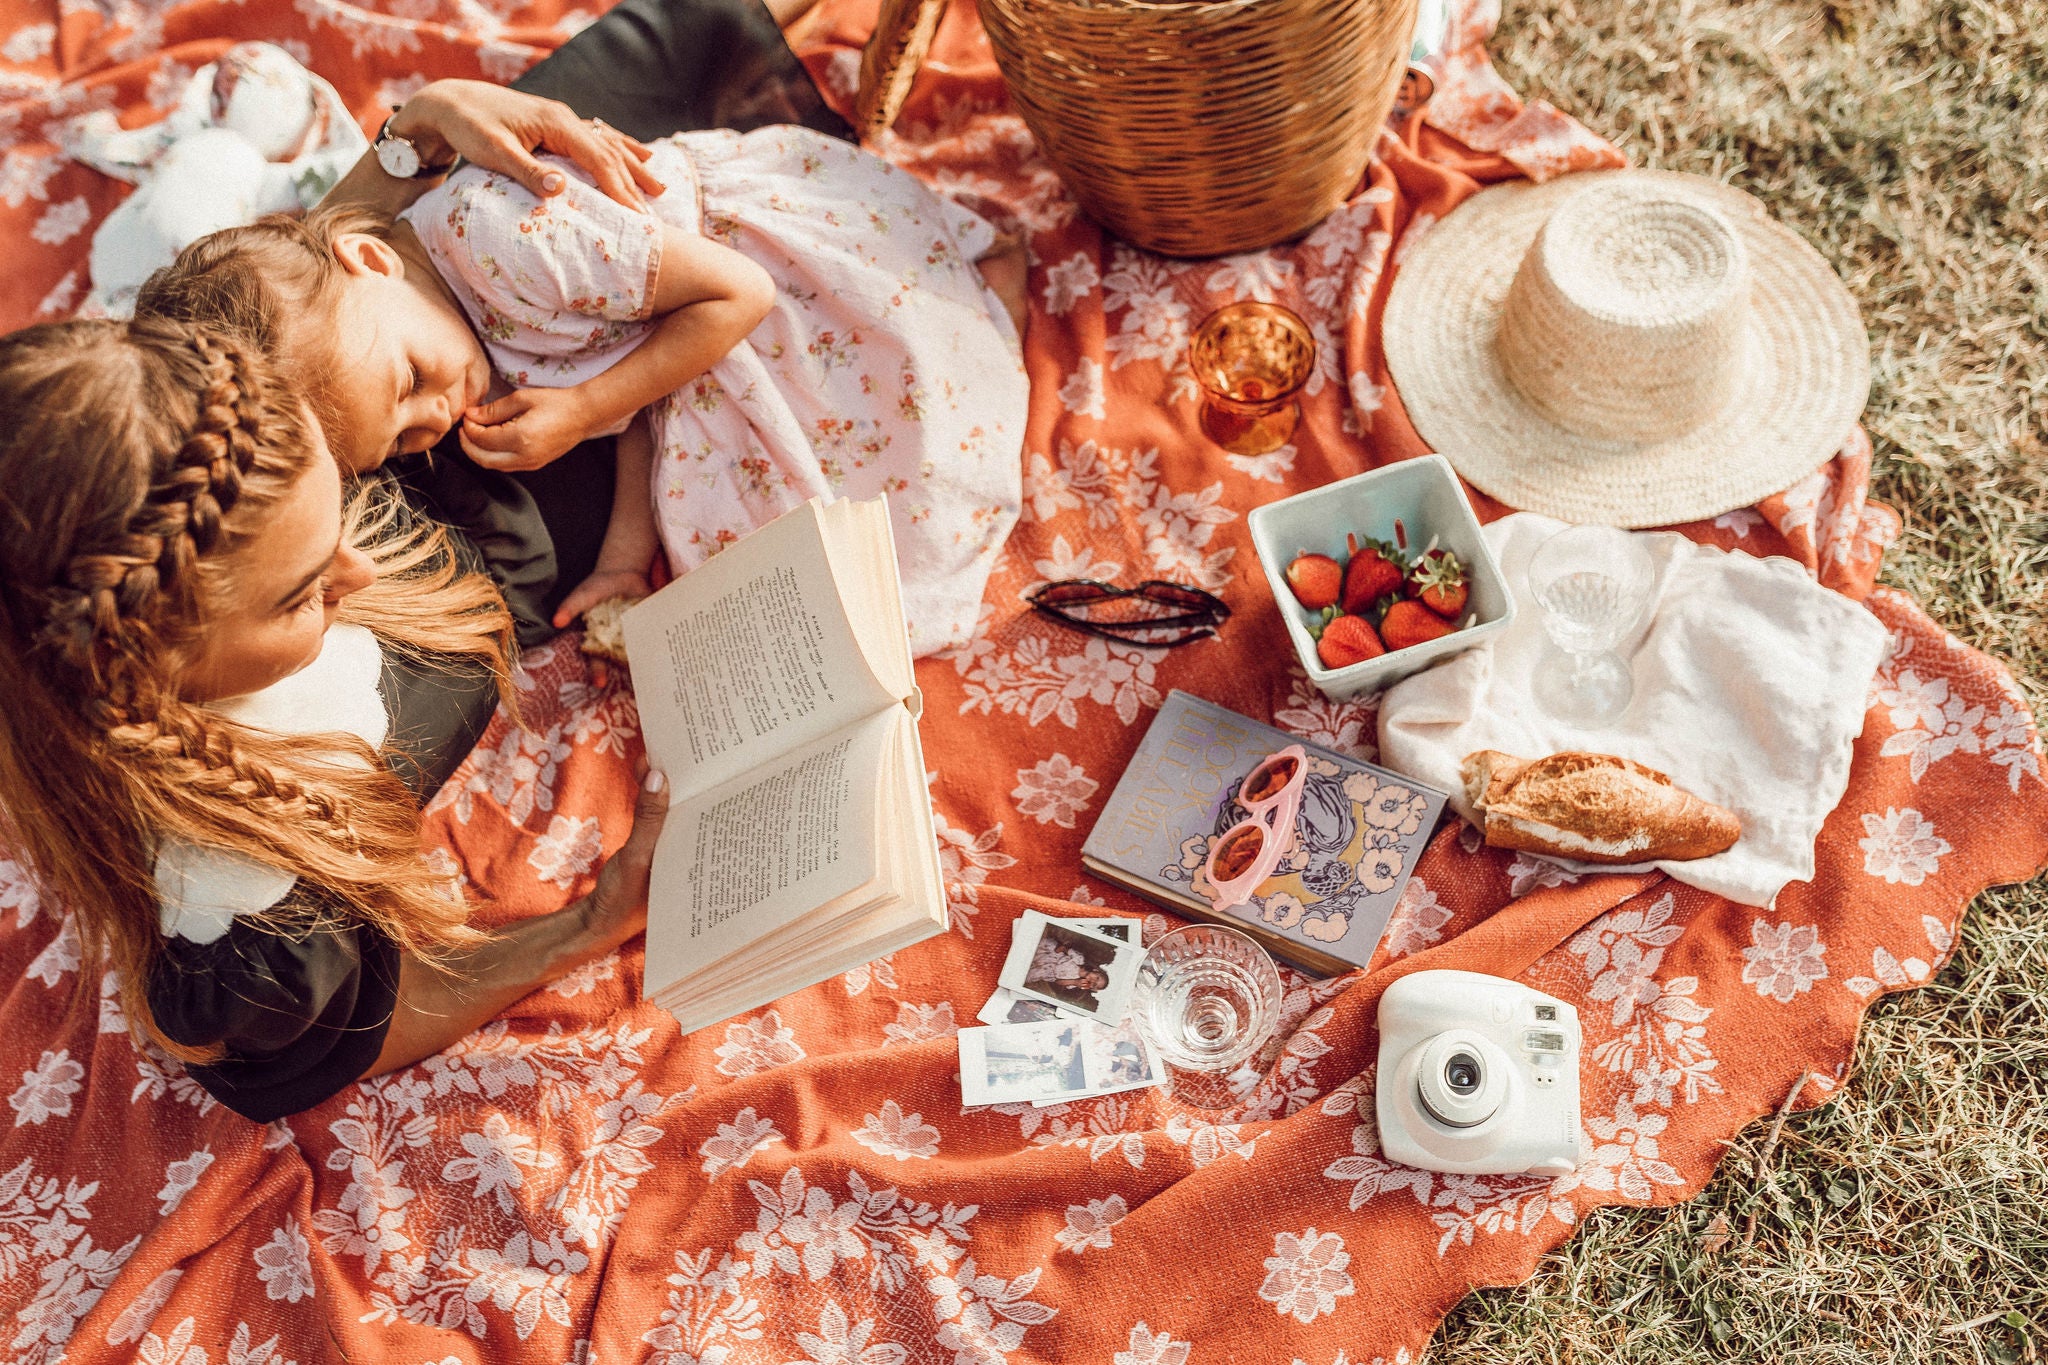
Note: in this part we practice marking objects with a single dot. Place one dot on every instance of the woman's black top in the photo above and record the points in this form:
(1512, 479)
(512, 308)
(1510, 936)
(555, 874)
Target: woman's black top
(301, 997)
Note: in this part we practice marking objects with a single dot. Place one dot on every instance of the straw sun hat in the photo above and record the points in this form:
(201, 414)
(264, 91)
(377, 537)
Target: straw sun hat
(1631, 347)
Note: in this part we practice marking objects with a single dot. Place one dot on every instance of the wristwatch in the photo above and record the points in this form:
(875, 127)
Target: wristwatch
(399, 158)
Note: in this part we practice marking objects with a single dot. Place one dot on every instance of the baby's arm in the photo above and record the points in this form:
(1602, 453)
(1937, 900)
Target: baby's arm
(630, 539)
(707, 298)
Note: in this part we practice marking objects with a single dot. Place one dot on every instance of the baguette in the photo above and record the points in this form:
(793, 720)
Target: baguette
(1594, 808)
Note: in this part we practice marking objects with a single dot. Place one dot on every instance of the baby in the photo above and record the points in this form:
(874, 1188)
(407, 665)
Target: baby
(794, 318)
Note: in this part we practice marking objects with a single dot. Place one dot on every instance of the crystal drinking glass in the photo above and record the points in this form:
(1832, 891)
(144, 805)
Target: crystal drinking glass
(1591, 583)
(1250, 360)
(1207, 998)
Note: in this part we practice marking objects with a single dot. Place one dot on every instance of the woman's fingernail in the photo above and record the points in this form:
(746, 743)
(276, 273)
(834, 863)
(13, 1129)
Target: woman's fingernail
(552, 182)
(656, 782)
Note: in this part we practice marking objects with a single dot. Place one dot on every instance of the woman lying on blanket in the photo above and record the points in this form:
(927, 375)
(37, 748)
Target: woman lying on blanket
(792, 318)
(193, 746)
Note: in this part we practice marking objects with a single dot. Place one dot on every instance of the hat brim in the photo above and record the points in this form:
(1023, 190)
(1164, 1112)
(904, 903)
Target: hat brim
(1804, 381)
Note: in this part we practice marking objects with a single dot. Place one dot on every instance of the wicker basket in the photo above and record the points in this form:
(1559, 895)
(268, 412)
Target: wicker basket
(1205, 126)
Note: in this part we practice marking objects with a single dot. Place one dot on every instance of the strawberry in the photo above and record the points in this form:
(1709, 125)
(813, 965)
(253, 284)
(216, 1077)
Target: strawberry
(1375, 571)
(1348, 640)
(1316, 580)
(1438, 582)
(1410, 623)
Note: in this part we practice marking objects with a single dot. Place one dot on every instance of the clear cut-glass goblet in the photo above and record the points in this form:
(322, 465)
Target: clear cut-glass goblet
(1207, 998)
(1591, 584)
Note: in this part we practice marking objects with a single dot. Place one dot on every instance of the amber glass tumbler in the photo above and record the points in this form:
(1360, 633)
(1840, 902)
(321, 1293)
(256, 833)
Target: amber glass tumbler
(1250, 360)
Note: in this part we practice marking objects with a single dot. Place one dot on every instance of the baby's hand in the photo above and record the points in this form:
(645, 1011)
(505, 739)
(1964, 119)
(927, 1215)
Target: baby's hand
(526, 429)
(604, 584)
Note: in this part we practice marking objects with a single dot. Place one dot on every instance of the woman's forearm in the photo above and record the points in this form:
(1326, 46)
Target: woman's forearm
(366, 186)
(438, 1007)
(420, 121)
(501, 130)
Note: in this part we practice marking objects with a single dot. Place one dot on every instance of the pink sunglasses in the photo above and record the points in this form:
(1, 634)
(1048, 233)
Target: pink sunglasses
(1245, 854)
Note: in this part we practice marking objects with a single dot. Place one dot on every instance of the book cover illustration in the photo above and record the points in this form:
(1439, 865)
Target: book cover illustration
(1358, 837)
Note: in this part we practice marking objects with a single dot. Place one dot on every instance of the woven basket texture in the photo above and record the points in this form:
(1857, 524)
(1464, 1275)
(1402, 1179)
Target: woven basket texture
(889, 63)
(1199, 129)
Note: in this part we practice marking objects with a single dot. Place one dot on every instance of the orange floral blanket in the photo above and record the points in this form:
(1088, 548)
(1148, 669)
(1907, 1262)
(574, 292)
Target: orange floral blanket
(579, 1183)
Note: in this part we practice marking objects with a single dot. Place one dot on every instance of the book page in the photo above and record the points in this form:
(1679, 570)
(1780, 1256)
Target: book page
(747, 657)
(742, 861)
(862, 545)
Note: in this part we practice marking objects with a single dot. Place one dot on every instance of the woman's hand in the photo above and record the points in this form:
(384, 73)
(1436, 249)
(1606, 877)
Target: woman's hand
(617, 909)
(500, 129)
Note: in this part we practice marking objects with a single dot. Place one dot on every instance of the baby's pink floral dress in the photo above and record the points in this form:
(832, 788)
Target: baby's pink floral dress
(887, 367)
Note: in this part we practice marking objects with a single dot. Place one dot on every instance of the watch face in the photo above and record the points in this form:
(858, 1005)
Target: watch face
(398, 158)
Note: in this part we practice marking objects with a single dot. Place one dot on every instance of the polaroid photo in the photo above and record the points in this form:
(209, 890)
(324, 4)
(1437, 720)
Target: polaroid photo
(1016, 1063)
(1080, 970)
(1122, 930)
(1008, 1007)
(1115, 1060)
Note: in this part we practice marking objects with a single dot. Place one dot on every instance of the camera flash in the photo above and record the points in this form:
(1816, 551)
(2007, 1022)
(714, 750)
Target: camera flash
(1546, 1014)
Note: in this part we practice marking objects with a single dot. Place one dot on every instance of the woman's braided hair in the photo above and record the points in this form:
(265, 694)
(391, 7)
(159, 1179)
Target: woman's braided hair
(135, 460)
(107, 614)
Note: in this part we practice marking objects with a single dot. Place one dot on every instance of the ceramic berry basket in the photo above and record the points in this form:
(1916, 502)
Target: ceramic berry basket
(1425, 495)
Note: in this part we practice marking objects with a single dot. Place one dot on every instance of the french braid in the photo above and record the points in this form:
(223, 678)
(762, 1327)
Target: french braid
(106, 614)
(135, 459)
(107, 589)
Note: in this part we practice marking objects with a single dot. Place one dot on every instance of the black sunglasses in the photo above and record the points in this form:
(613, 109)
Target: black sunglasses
(1190, 613)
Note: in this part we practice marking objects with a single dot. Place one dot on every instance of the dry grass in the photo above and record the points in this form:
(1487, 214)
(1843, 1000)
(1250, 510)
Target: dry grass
(1908, 1219)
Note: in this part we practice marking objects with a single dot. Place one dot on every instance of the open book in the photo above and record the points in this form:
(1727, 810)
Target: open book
(776, 692)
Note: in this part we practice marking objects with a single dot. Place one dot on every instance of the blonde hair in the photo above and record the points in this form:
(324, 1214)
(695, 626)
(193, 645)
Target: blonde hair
(275, 281)
(135, 459)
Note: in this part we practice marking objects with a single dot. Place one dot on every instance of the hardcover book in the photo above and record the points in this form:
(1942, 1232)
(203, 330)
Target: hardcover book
(1359, 835)
(776, 692)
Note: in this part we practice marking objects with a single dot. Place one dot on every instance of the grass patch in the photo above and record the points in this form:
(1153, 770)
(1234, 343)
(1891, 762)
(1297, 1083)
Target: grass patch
(1907, 1220)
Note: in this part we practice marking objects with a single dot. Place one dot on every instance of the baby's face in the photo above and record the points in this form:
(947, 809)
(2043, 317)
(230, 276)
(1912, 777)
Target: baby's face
(407, 368)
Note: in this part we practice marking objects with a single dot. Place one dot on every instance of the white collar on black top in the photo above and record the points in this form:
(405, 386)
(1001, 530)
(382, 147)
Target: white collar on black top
(201, 890)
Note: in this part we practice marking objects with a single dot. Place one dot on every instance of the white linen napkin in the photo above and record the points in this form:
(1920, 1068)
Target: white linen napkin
(1751, 683)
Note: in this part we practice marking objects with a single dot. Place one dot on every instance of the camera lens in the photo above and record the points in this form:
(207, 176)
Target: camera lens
(1461, 1078)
